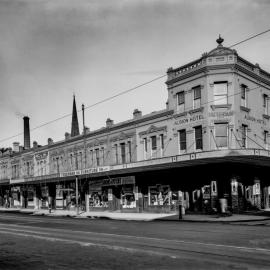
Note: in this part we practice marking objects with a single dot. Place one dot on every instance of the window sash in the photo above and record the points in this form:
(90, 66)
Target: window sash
(196, 103)
(221, 134)
(161, 136)
(154, 142)
(243, 91)
(197, 92)
(265, 135)
(198, 137)
(181, 98)
(123, 152)
(265, 104)
(145, 144)
(244, 136)
(220, 93)
(183, 139)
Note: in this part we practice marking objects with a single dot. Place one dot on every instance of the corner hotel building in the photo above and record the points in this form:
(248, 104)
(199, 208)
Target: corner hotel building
(210, 142)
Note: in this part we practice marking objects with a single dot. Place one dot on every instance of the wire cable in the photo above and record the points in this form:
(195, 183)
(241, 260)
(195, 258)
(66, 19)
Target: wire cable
(121, 93)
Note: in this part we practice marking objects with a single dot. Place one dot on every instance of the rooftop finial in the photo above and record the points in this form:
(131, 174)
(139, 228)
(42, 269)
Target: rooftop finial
(220, 40)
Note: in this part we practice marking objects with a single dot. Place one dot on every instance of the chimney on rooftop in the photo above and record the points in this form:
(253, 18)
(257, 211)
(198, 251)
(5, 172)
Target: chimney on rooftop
(26, 130)
(50, 141)
(109, 122)
(35, 144)
(16, 147)
(137, 114)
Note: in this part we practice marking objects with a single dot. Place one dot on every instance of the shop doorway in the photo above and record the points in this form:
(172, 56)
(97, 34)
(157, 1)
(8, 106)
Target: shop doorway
(116, 206)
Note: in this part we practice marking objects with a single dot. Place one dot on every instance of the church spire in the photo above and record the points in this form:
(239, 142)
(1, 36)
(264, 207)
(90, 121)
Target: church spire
(74, 124)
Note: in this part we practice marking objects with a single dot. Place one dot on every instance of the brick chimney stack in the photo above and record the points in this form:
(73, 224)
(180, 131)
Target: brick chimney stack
(26, 130)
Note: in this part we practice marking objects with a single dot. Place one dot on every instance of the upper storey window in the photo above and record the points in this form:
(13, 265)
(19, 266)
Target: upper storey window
(243, 95)
(181, 101)
(266, 104)
(196, 97)
(220, 93)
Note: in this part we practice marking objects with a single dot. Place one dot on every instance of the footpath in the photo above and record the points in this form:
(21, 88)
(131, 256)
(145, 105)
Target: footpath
(249, 217)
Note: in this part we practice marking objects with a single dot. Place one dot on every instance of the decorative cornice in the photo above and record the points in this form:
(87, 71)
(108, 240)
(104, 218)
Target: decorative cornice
(195, 110)
(123, 136)
(42, 155)
(153, 129)
(26, 158)
(223, 106)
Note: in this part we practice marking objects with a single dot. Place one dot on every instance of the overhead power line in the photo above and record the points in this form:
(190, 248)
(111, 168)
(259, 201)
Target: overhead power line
(122, 93)
(249, 38)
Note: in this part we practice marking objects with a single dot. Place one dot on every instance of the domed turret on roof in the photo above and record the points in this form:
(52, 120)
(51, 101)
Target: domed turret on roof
(220, 50)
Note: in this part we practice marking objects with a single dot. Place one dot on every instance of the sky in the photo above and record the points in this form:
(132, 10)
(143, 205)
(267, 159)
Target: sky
(50, 50)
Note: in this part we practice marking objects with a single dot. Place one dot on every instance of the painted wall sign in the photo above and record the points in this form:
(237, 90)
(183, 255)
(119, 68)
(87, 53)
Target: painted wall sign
(254, 119)
(190, 119)
(221, 114)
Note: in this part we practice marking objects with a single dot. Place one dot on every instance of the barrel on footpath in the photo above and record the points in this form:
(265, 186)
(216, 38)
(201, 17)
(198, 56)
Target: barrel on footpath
(223, 205)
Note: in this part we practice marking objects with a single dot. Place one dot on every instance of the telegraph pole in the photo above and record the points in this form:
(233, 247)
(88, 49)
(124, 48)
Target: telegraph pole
(84, 148)
(77, 196)
(84, 136)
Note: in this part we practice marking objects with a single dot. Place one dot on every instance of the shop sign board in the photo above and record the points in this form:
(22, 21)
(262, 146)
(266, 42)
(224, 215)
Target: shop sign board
(16, 181)
(85, 171)
(127, 180)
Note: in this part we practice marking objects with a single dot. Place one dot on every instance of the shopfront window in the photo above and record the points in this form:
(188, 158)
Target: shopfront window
(128, 197)
(98, 197)
(159, 195)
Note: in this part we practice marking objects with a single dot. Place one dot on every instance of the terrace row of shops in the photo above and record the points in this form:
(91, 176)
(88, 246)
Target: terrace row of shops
(152, 191)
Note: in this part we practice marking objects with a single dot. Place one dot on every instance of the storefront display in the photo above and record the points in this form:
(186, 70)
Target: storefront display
(30, 196)
(44, 196)
(98, 197)
(128, 197)
(159, 195)
(59, 198)
(15, 194)
(113, 193)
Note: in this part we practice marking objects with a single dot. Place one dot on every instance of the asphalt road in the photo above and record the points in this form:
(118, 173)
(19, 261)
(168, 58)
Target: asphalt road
(33, 242)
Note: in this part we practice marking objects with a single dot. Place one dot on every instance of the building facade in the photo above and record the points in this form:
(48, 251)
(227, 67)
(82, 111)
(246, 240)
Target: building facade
(210, 143)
